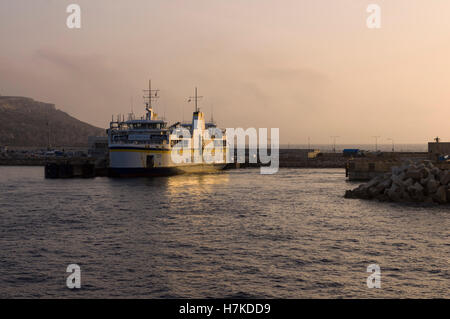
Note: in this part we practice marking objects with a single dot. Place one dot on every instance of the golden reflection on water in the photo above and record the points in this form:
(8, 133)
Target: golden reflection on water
(196, 183)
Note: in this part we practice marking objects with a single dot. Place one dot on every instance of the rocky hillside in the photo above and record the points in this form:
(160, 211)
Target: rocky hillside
(26, 122)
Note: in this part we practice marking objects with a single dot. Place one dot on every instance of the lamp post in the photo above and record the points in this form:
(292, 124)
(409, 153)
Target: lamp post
(391, 139)
(376, 142)
(334, 143)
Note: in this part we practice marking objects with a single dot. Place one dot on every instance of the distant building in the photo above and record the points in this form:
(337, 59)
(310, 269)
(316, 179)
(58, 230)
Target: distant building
(313, 154)
(436, 149)
(98, 146)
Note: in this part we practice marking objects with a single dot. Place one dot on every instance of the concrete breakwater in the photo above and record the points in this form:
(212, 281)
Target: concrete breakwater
(85, 168)
(22, 161)
(292, 158)
(367, 167)
(409, 182)
(299, 158)
(287, 158)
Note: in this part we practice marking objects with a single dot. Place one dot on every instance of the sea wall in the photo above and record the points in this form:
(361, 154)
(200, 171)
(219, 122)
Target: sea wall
(409, 182)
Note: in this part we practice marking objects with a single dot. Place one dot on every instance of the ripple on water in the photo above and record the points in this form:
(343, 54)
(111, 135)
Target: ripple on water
(238, 234)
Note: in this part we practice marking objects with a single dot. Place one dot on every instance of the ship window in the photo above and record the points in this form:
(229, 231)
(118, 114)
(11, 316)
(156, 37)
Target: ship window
(157, 139)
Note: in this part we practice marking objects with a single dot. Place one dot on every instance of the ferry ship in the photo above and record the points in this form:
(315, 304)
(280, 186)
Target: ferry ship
(148, 147)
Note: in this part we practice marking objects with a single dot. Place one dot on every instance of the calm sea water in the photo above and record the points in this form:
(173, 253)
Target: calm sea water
(232, 234)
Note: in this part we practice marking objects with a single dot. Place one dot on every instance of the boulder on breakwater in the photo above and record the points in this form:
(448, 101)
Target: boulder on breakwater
(411, 182)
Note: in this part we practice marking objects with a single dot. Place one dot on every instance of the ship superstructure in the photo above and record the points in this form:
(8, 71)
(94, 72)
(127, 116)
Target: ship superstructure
(148, 147)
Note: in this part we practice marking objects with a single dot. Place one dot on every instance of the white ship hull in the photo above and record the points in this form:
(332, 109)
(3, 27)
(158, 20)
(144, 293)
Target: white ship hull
(139, 161)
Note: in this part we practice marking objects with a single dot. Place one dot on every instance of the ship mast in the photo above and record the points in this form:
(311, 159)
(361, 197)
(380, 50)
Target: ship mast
(212, 114)
(150, 95)
(195, 98)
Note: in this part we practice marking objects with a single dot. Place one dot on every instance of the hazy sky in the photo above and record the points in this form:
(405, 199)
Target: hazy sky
(311, 68)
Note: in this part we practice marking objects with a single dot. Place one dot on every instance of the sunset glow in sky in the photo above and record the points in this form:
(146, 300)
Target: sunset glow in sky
(311, 68)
